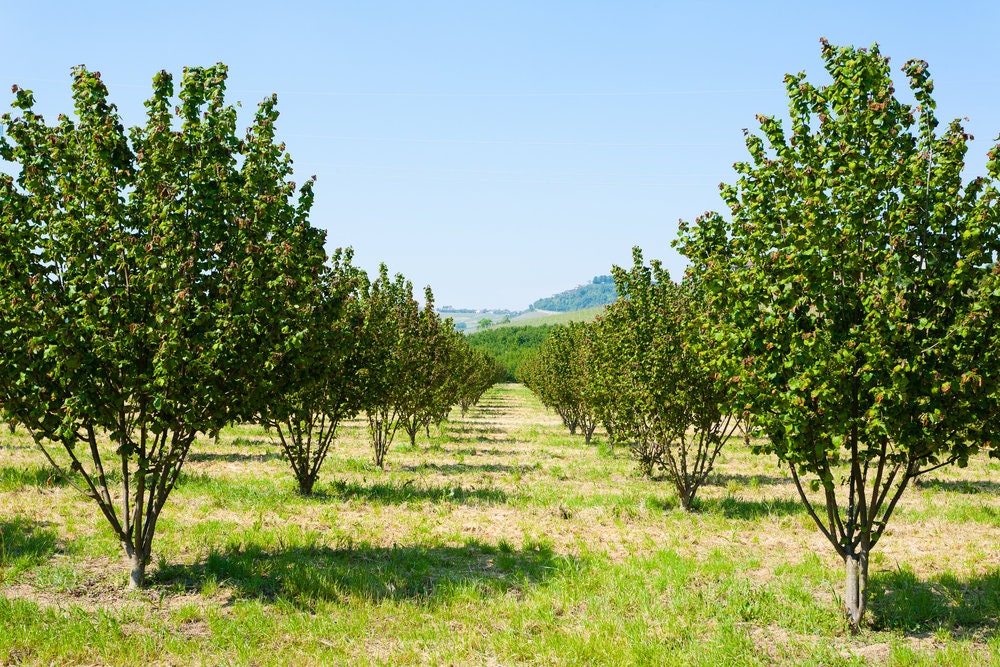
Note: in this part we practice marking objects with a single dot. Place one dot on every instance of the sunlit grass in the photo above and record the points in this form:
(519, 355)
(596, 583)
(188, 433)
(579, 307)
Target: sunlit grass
(499, 539)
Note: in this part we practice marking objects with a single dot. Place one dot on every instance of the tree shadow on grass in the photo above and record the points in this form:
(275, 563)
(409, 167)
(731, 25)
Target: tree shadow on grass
(491, 409)
(748, 481)
(24, 543)
(475, 429)
(305, 575)
(15, 445)
(900, 600)
(235, 457)
(484, 451)
(749, 510)
(459, 468)
(388, 493)
(14, 478)
(971, 487)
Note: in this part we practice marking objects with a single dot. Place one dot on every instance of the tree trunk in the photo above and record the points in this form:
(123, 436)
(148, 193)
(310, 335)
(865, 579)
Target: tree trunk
(855, 596)
(685, 497)
(306, 485)
(137, 570)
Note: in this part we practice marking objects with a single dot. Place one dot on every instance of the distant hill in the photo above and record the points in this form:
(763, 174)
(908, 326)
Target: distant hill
(580, 304)
(599, 292)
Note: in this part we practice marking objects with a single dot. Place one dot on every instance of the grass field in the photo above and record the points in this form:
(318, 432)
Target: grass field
(527, 318)
(538, 318)
(501, 540)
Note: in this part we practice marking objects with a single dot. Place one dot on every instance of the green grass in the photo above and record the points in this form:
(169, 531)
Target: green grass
(498, 540)
(17, 478)
(23, 545)
(537, 318)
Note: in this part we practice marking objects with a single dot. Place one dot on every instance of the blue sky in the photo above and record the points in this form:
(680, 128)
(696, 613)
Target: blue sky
(504, 151)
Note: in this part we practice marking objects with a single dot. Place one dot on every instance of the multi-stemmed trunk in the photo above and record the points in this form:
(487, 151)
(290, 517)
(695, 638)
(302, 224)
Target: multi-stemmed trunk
(150, 466)
(569, 419)
(382, 424)
(688, 458)
(306, 442)
(412, 424)
(875, 485)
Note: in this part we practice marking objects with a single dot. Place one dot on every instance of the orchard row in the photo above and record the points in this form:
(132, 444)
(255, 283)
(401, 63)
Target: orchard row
(164, 282)
(847, 310)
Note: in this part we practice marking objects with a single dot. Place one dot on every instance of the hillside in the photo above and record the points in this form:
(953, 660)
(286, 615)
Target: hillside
(582, 303)
(599, 292)
(544, 317)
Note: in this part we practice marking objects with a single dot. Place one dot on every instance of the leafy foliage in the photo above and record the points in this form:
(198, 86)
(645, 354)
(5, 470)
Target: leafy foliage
(510, 345)
(147, 283)
(390, 311)
(432, 385)
(318, 382)
(476, 371)
(558, 374)
(659, 381)
(418, 367)
(859, 275)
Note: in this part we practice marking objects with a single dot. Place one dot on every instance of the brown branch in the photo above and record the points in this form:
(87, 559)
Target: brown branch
(812, 512)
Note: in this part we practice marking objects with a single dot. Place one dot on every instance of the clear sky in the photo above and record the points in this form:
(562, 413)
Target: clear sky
(503, 151)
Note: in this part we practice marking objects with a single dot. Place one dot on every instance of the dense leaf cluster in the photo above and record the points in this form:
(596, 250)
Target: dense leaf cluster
(417, 366)
(659, 381)
(650, 370)
(318, 382)
(148, 278)
(559, 372)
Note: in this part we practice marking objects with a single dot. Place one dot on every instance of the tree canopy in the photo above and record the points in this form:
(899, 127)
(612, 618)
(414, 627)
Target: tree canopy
(659, 381)
(858, 271)
(558, 373)
(146, 279)
(318, 381)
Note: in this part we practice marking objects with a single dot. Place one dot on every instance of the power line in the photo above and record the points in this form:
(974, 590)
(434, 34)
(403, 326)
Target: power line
(526, 94)
(598, 144)
(112, 83)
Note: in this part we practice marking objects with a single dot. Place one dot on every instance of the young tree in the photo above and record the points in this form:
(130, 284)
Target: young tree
(660, 377)
(859, 275)
(144, 284)
(390, 314)
(318, 382)
(476, 371)
(558, 373)
(429, 389)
